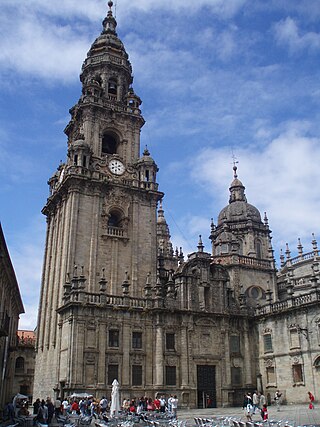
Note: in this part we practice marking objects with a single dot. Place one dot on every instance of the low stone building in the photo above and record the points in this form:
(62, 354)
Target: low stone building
(10, 309)
(24, 363)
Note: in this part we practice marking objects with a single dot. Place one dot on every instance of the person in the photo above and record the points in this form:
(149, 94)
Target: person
(264, 412)
(277, 397)
(75, 407)
(50, 407)
(65, 407)
(42, 415)
(162, 404)
(174, 406)
(36, 406)
(57, 407)
(150, 405)
(262, 400)
(103, 405)
(255, 402)
(156, 404)
(132, 407)
(311, 399)
(247, 406)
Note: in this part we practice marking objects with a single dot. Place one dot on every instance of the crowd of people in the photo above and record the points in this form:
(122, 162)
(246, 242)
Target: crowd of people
(45, 410)
(256, 403)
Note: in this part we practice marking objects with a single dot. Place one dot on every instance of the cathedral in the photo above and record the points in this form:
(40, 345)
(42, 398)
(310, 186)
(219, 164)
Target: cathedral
(117, 302)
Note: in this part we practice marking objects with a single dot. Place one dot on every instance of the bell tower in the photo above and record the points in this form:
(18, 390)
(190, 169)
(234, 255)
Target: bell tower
(101, 214)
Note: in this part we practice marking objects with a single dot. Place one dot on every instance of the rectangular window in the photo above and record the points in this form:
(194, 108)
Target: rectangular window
(136, 339)
(236, 376)
(136, 375)
(113, 338)
(234, 344)
(171, 378)
(170, 341)
(294, 339)
(112, 373)
(297, 374)
(271, 377)
(267, 339)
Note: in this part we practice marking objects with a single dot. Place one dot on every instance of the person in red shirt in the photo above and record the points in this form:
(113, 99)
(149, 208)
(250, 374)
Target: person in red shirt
(264, 412)
(311, 398)
(75, 407)
(156, 404)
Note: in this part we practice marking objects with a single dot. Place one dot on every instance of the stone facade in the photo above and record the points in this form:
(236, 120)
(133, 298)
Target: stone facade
(24, 358)
(118, 302)
(10, 308)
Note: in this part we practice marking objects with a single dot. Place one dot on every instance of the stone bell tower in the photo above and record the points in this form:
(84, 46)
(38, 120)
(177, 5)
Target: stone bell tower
(101, 222)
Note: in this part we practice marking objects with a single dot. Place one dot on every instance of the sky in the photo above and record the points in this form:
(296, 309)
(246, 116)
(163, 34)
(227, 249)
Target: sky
(217, 79)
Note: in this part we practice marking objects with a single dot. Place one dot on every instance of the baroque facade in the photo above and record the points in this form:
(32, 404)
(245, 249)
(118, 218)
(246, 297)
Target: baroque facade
(118, 302)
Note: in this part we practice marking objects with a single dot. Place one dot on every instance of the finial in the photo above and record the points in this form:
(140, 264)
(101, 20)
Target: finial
(300, 248)
(213, 227)
(288, 253)
(281, 258)
(110, 4)
(200, 244)
(265, 219)
(234, 161)
(314, 245)
(146, 152)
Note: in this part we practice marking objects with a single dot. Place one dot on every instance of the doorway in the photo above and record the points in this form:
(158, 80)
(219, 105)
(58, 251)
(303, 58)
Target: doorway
(206, 383)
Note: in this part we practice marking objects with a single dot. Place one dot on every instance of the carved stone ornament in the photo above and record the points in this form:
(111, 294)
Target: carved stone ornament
(267, 331)
(269, 363)
(236, 362)
(205, 340)
(295, 360)
(171, 361)
(90, 359)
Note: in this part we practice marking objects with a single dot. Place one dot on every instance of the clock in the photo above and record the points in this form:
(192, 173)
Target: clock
(116, 167)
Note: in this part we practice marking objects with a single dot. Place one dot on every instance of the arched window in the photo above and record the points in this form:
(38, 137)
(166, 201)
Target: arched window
(112, 87)
(19, 364)
(114, 219)
(258, 249)
(109, 144)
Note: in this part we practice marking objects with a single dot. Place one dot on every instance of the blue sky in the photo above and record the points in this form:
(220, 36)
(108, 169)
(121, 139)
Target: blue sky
(216, 77)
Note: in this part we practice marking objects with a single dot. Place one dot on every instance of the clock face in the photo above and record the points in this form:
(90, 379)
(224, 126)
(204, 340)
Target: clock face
(116, 167)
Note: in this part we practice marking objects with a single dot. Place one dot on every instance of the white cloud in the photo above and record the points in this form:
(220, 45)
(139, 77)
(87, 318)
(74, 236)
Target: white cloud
(288, 33)
(280, 176)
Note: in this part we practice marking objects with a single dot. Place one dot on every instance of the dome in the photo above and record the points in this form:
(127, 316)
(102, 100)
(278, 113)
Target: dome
(146, 158)
(239, 211)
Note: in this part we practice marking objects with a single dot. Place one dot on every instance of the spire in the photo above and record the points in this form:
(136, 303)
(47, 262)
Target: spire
(109, 23)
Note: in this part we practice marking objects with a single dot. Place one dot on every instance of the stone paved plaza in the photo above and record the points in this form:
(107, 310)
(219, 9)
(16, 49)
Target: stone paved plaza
(297, 415)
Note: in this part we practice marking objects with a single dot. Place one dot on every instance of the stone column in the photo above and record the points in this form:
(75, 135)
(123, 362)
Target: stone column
(159, 356)
(184, 359)
(247, 360)
(126, 368)
(92, 285)
(102, 354)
